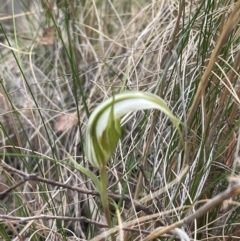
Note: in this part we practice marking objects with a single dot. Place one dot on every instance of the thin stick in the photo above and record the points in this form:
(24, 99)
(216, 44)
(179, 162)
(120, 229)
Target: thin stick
(229, 193)
(34, 177)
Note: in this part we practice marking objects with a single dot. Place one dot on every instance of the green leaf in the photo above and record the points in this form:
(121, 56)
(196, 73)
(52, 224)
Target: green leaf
(89, 174)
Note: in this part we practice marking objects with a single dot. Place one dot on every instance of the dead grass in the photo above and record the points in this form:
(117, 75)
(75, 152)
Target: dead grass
(74, 55)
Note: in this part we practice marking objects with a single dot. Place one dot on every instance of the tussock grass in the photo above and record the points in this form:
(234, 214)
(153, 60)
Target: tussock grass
(185, 51)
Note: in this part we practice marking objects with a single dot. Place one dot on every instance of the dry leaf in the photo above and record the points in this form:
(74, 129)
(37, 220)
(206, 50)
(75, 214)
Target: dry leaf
(48, 36)
(65, 122)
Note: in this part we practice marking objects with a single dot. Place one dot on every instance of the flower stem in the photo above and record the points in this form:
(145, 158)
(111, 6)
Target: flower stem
(104, 197)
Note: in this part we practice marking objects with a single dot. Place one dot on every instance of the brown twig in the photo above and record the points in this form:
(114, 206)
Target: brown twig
(33, 177)
(68, 218)
(227, 194)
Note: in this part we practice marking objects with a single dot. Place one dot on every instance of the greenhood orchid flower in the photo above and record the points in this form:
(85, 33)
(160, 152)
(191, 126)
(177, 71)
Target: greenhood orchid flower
(104, 129)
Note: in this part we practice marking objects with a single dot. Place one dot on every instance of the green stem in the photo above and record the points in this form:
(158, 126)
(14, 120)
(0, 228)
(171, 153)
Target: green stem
(104, 198)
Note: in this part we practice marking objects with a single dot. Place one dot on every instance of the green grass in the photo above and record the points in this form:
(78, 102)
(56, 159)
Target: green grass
(185, 51)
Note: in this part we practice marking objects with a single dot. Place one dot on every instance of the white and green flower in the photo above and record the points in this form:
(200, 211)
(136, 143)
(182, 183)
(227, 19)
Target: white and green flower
(104, 129)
